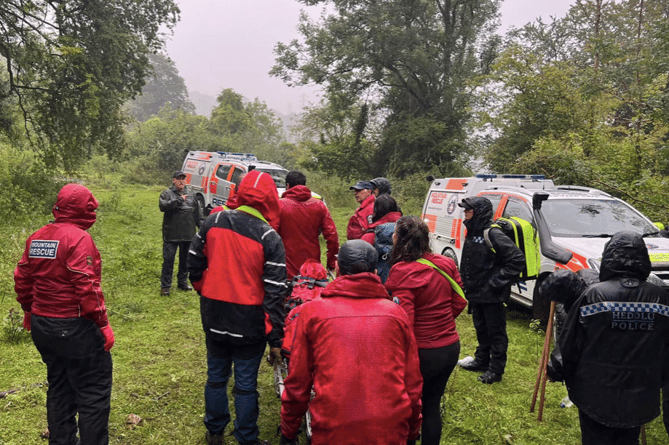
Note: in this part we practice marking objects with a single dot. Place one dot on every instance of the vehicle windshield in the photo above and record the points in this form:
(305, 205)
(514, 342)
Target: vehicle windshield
(279, 176)
(593, 218)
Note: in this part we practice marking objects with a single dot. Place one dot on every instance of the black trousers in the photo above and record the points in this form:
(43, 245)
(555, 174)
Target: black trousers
(436, 366)
(79, 372)
(169, 252)
(490, 323)
(594, 433)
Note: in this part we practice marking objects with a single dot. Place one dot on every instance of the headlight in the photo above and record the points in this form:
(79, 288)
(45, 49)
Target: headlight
(654, 279)
(594, 264)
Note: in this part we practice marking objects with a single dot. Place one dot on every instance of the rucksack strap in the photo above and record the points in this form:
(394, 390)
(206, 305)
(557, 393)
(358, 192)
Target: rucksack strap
(456, 287)
(486, 236)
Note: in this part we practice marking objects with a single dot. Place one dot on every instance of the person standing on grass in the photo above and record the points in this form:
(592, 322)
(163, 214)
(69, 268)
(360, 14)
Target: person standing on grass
(613, 351)
(362, 217)
(57, 282)
(181, 217)
(355, 347)
(303, 219)
(488, 274)
(380, 231)
(432, 304)
(237, 265)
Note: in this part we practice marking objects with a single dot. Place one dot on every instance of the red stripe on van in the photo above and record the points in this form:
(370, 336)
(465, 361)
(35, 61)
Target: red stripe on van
(456, 232)
(456, 184)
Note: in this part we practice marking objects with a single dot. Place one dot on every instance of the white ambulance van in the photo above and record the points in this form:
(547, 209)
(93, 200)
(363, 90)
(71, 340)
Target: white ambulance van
(573, 224)
(212, 175)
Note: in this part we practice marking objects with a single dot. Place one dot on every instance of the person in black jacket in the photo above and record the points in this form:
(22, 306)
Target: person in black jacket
(488, 274)
(181, 217)
(614, 346)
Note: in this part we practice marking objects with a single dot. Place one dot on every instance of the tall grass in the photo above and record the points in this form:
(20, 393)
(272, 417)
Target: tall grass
(160, 357)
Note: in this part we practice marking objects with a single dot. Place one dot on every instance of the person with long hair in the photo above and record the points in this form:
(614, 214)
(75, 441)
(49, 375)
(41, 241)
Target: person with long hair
(417, 280)
(381, 229)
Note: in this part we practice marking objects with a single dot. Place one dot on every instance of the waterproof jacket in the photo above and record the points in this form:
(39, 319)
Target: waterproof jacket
(615, 342)
(303, 218)
(356, 348)
(428, 299)
(369, 234)
(488, 275)
(181, 217)
(237, 265)
(58, 275)
(361, 219)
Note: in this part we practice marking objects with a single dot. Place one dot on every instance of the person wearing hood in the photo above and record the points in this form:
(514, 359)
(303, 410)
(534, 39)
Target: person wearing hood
(432, 304)
(362, 217)
(488, 274)
(57, 282)
(381, 187)
(303, 218)
(182, 216)
(237, 265)
(614, 346)
(355, 347)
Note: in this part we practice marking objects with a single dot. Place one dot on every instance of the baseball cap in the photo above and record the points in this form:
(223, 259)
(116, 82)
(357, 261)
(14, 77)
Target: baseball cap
(362, 185)
(178, 173)
(465, 205)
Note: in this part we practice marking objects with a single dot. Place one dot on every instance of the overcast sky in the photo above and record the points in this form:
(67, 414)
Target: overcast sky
(222, 44)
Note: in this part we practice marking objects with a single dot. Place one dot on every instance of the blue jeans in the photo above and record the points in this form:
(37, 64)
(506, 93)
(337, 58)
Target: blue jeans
(221, 356)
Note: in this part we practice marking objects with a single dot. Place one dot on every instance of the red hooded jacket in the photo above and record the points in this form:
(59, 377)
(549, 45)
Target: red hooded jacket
(361, 219)
(356, 348)
(428, 299)
(369, 235)
(303, 218)
(58, 275)
(237, 264)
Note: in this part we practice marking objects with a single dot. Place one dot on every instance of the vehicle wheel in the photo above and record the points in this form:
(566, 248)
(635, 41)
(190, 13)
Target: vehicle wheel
(541, 306)
(559, 317)
(200, 202)
(449, 253)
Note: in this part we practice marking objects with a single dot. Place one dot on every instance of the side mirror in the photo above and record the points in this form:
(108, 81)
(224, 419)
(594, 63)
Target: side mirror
(548, 248)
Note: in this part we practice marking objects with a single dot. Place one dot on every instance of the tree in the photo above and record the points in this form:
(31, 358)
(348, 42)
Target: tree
(410, 60)
(72, 64)
(164, 88)
(244, 126)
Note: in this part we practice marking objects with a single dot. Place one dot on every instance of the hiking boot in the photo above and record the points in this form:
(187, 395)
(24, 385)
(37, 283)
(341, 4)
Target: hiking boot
(165, 291)
(490, 377)
(471, 364)
(185, 286)
(214, 439)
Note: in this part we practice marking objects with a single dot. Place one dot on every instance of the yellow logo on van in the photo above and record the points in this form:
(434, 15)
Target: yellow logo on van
(659, 257)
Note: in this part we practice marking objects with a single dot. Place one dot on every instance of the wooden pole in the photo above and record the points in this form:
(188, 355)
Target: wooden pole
(543, 363)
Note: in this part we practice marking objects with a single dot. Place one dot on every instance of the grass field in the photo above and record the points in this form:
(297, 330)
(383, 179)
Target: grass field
(160, 359)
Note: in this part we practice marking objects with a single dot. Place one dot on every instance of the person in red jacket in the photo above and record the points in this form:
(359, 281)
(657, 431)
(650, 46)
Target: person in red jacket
(57, 282)
(356, 348)
(432, 305)
(237, 265)
(362, 217)
(303, 218)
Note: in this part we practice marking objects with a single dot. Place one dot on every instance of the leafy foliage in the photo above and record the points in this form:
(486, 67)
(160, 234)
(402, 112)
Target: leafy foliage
(164, 88)
(71, 66)
(409, 62)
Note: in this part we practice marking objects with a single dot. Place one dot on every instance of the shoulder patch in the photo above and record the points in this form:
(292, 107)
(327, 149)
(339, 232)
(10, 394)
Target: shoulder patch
(43, 249)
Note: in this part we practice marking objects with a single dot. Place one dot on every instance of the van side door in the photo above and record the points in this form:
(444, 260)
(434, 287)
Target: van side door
(220, 184)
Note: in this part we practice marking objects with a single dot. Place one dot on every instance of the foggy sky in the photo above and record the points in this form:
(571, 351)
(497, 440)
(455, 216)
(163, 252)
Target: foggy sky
(222, 44)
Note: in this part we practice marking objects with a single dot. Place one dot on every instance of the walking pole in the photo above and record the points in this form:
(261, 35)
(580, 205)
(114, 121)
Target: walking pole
(541, 375)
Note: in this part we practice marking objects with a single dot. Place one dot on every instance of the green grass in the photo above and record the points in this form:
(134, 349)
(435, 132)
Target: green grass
(160, 357)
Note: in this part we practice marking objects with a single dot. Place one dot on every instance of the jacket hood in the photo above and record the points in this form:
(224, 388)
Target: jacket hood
(298, 193)
(625, 255)
(258, 190)
(383, 185)
(361, 285)
(388, 217)
(482, 218)
(357, 256)
(76, 205)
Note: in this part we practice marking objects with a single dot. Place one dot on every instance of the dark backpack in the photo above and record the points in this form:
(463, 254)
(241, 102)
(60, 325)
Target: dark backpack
(383, 243)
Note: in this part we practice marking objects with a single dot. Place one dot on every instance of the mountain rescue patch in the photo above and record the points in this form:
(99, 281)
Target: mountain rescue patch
(89, 260)
(43, 249)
